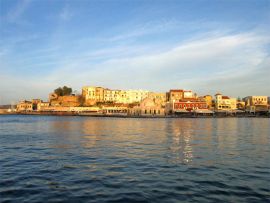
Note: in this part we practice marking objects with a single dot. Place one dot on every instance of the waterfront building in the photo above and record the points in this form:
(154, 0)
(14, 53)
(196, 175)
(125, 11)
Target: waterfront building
(148, 107)
(175, 95)
(179, 94)
(185, 101)
(209, 101)
(186, 106)
(123, 97)
(256, 103)
(240, 104)
(35, 103)
(188, 94)
(43, 106)
(136, 96)
(224, 103)
(111, 95)
(92, 95)
(159, 96)
(24, 106)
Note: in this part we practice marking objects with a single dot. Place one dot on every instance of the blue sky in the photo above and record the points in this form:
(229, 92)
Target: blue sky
(206, 46)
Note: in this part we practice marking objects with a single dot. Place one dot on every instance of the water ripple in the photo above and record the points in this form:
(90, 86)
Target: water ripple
(80, 159)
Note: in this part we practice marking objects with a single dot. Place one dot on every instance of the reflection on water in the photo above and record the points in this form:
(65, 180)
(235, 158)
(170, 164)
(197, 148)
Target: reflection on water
(71, 159)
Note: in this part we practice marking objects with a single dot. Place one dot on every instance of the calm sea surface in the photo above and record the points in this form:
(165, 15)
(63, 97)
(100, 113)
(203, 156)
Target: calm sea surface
(84, 159)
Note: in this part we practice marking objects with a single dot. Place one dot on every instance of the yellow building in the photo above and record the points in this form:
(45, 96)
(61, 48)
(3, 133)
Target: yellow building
(225, 102)
(240, 105)
(122, 98)
(209, 100)
(160, 96)
(175, 95)
(111, 95)
(92, 95)
(43, 106)
(256, 100)
(24, 106)
(256, 103)
(134, 96)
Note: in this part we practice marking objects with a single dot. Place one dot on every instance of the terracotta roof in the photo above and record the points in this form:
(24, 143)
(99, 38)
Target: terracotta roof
(190, 100)
(225, 97)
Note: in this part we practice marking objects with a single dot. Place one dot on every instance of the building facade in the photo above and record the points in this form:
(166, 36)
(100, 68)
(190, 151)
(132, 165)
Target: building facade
(256, 103)
(43, 106)
(175, 95)
(160, 96)
(136, 96)
(24, 106)
(225, 103)
(148, 107)
(111, 95)
(188, 105)
(209, 101)
(92, 95)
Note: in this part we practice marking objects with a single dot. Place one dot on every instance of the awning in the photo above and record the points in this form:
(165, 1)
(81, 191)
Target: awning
(223, 111)
(181, 111)
(203, 111)
(238, 111)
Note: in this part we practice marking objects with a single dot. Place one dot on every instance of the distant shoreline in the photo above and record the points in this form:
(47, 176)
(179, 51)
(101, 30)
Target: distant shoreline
(134, 116)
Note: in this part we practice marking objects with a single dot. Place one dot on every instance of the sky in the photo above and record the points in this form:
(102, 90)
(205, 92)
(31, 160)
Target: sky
(201, 45)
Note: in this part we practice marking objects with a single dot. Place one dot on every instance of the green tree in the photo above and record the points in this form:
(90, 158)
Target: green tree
(67, 90)
(63, 91)
(59, 91)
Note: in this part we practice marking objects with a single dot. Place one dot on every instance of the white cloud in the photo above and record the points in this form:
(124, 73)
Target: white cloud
(237, 65)
(209, 58)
